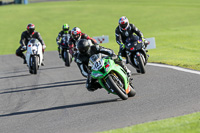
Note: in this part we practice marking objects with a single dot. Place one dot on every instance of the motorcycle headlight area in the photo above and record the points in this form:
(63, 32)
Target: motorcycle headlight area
(34, 50)
(107, 66)
(96, 74)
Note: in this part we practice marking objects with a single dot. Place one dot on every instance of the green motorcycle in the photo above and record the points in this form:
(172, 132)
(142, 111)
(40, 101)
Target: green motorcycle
(111, 76)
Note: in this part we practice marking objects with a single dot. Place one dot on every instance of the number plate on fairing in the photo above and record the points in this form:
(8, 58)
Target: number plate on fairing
(98, 65)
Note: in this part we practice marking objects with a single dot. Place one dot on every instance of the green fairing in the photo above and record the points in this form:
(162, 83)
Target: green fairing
(112, 68)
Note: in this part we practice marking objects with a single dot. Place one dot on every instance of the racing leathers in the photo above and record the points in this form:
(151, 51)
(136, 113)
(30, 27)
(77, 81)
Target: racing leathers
(59, 38)
(83, 59)
(122, 35)
(25, 38)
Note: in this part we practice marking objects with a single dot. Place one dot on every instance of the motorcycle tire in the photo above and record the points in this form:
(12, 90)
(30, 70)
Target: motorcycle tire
(68, 59)
(141, 64)
(34, 64)
(111, 80)
(132, 91)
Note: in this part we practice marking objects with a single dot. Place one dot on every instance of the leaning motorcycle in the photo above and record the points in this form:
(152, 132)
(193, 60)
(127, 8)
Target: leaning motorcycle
(66, 50)
(34, 55)
(112, 77)
(136, 54)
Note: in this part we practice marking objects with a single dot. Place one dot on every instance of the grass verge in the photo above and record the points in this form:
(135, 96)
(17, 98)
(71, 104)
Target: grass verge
(174, 24)
(183, 124)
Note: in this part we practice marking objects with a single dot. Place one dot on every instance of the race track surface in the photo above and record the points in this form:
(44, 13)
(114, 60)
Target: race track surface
(56, 100)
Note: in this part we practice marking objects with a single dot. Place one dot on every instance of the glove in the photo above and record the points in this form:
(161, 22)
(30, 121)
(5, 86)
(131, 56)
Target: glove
(58, 43)
(119, 57)
(122, 46)
(142, 38)
(44, 46)
(24, 47)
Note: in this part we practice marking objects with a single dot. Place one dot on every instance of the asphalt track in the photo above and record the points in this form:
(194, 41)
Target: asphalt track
(56, 100)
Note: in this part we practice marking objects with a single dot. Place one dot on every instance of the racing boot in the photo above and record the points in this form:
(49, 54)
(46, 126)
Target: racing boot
(42, 64)
(128, 72)
(121, 63)
(131, 82)
(92, 84)
(24, 59)
(59, 52)
(125, 68)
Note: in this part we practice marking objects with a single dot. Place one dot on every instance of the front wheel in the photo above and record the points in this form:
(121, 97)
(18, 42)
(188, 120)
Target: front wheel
(141, 64)
(68, 58)
(34, 64)
(115, 84)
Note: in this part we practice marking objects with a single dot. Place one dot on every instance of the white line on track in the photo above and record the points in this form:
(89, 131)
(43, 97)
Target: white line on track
(174, 67)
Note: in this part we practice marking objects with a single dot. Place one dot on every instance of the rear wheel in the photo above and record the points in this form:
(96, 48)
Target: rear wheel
(115, 84)
(132, 91)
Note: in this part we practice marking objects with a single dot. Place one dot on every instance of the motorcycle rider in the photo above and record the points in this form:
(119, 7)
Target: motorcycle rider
(85, 52)
(26, 36)
(77, 35)
(65, 30)
(123, 31)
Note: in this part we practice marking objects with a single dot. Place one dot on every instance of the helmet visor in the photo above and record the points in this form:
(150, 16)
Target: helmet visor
(84, 50)
(30, 31)
(124, 25)
(76, 36)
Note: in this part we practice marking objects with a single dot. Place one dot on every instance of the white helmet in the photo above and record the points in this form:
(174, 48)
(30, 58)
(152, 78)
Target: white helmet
(123, 23)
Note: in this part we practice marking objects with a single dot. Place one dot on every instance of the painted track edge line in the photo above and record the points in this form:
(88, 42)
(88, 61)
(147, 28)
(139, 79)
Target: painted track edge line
(175, 67)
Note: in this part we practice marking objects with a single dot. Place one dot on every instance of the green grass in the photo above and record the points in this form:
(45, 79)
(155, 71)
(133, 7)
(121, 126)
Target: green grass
(175, 24)
(184, 124)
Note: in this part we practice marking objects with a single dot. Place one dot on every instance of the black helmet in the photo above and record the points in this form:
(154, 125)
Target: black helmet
(30, 28)
(83, 46)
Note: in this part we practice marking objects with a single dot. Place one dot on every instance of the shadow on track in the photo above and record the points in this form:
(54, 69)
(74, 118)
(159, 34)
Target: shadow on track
(49, 68)
(16, 76)
(61, 107)
(19, 71)
(44, 86)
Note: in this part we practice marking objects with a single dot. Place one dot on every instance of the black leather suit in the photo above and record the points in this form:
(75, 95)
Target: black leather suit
(25, 38)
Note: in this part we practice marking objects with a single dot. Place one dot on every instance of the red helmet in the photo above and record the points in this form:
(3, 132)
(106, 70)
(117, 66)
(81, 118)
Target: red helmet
(123, 23)
(76, 33)
(30, 28)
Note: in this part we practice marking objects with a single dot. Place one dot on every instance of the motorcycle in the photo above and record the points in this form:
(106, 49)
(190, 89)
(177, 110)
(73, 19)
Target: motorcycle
(34, 55)
(66, 51)
(111, 77)
(136, 54)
